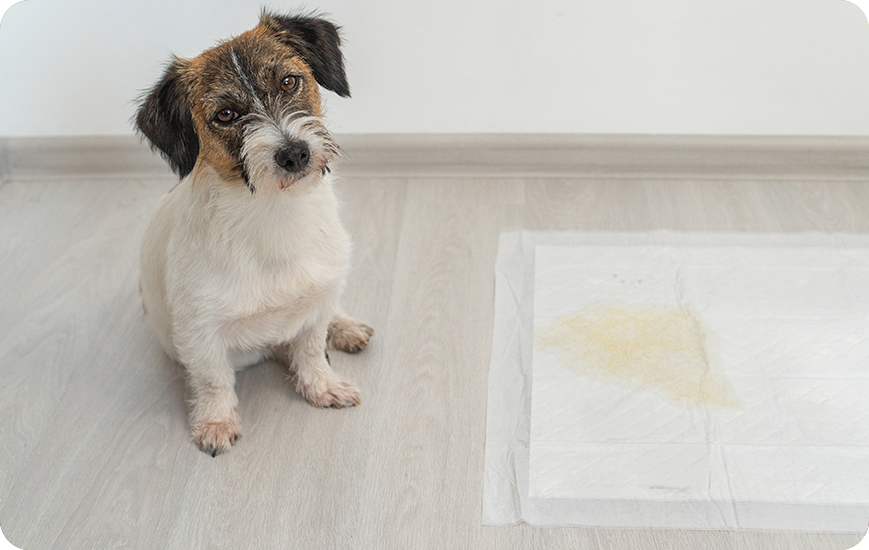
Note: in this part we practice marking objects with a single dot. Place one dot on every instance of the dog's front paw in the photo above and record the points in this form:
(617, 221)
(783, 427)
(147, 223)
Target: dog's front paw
(332, 392)
(346, 334)
(216, 437)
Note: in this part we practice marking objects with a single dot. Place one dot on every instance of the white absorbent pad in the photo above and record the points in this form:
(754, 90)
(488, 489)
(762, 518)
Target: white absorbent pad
(695, 381)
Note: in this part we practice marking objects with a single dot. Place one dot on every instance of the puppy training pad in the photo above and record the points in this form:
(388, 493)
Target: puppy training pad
(696, 381)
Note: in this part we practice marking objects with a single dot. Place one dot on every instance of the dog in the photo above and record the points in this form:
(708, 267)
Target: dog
(245, 259)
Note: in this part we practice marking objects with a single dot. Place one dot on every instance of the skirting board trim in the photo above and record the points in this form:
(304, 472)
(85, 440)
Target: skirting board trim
(486, 155)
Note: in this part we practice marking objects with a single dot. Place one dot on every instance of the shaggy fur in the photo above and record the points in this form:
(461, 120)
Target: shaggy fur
(245, 259)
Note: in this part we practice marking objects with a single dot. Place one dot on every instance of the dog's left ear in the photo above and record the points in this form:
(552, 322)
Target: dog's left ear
(317, 42)
(165, 118)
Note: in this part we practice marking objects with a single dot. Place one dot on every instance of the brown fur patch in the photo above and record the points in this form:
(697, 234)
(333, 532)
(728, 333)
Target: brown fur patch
(244, 75)
(196, 115)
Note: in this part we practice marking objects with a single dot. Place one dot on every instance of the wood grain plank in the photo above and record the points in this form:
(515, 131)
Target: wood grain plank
(100, 454)
(587, 205)
(715, 205)
(429, 464)
(834, 206)
(73, 343)
(372, 213)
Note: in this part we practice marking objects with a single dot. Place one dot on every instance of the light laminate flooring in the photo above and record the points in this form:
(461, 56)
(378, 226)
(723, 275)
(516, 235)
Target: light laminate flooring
(95, 448)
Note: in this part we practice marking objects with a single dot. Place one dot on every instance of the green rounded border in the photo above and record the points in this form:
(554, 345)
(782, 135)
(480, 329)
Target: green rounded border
(5, 5)
(863, 5)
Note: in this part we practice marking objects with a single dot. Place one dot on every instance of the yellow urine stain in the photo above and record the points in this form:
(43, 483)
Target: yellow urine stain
(660, 349)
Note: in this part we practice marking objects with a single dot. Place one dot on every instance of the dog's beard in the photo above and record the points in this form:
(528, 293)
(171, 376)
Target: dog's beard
(265, 136)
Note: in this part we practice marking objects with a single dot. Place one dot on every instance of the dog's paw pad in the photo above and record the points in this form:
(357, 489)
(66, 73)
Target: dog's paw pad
(349, 335)
(214, 438)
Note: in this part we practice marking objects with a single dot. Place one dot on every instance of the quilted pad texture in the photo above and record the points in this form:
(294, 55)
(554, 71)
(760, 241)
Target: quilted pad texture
(680, 380)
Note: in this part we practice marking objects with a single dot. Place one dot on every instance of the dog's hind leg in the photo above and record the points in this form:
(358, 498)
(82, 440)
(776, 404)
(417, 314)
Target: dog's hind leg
(314, 378)
(348, 334)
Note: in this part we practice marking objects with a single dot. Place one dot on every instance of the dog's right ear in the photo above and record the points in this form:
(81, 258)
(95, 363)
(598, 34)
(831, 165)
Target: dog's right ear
(165, 118)
(317, 41)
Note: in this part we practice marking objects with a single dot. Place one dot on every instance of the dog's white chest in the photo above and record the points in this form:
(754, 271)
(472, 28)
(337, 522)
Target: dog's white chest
(275, 305)
(254, 268)
(282, 266)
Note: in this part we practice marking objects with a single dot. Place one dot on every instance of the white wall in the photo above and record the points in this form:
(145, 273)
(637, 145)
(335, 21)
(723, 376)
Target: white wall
(74, 67)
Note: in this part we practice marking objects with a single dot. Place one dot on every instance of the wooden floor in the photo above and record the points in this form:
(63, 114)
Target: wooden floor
(96, 451)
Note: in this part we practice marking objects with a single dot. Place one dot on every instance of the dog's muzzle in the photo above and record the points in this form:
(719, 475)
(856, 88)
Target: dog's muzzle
(294, 157)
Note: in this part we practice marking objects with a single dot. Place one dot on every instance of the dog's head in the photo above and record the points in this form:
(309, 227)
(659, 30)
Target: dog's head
(250, 107)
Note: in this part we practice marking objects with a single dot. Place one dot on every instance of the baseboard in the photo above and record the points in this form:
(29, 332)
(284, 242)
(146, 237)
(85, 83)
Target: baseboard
(486, 155)
(78, 157)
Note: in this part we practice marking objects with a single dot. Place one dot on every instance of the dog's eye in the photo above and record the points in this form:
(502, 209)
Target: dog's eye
(226, 116)
(289, 84)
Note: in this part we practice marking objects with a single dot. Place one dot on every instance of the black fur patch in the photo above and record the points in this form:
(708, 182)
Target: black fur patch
(165, 119)
(317, 42)
(247, 181)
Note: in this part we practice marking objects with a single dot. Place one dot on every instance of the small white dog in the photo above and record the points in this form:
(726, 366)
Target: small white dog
(245, 259)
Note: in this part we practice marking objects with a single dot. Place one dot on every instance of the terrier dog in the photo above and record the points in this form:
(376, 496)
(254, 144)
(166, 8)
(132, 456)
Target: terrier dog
(245, 258)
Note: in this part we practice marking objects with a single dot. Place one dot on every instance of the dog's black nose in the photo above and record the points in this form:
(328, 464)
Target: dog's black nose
(294, 157)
